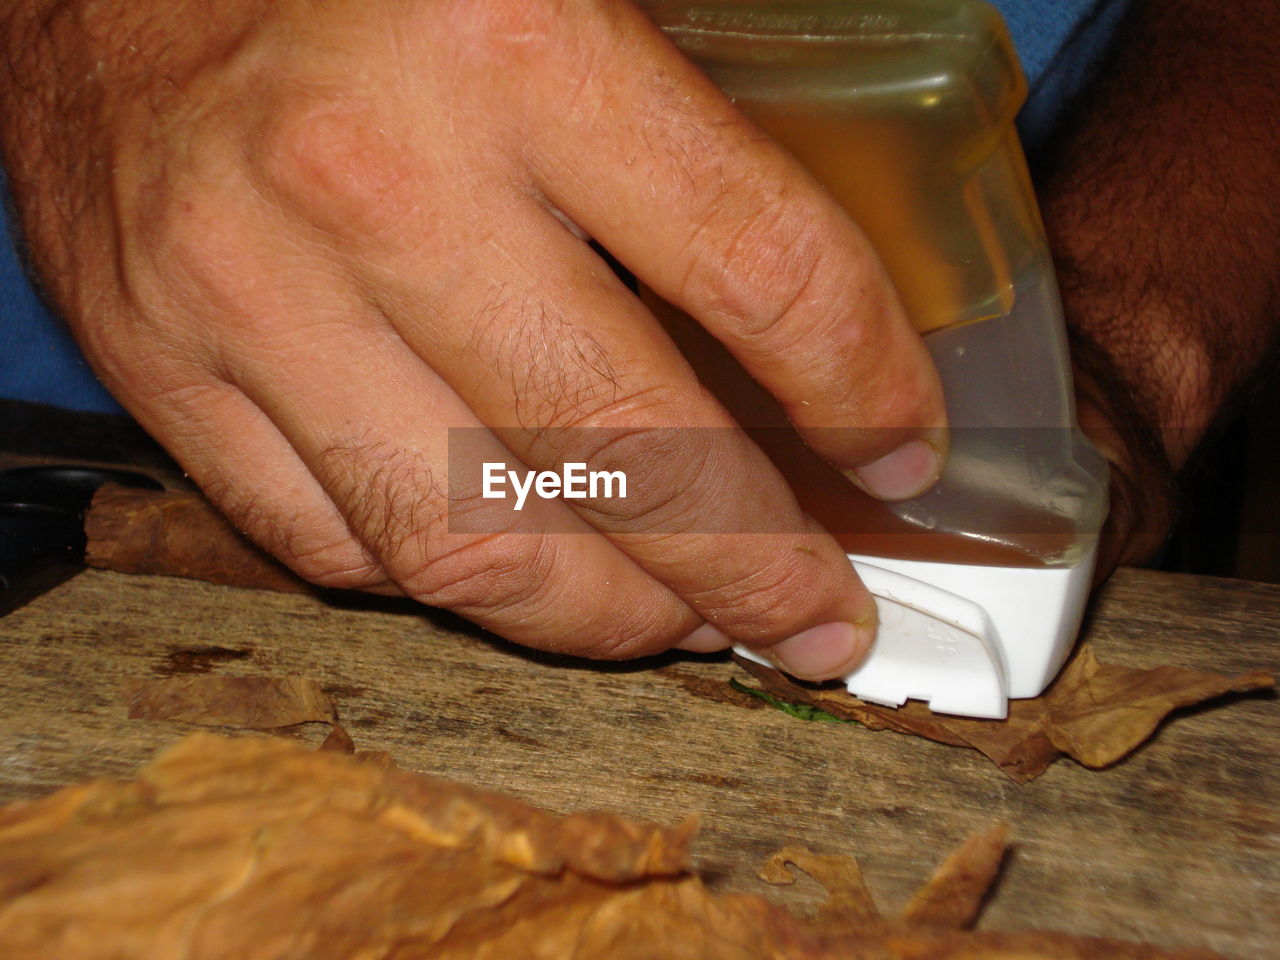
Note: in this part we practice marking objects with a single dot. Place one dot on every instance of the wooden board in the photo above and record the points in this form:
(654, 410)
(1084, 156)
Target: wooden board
(1177, 845)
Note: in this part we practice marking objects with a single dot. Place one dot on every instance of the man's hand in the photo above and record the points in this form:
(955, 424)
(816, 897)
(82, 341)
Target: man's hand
(300, 240)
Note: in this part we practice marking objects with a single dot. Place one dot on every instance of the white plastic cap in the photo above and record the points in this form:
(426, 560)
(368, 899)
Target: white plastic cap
(966, 638)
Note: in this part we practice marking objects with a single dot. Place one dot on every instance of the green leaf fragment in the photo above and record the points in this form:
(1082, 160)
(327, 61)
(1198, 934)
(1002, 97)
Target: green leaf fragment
(801, 711)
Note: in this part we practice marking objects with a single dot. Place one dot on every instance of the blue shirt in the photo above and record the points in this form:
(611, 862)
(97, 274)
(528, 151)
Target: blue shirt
(1059, 41)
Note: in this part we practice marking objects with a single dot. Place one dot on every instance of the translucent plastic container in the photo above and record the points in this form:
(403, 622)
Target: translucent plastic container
(903, 110)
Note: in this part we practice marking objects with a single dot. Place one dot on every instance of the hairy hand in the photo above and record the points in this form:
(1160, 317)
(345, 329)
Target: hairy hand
(300, 241)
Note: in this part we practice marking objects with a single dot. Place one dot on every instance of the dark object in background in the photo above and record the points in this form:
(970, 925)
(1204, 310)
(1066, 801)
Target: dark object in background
(1229, 522)
(37, 431)
(42, 511)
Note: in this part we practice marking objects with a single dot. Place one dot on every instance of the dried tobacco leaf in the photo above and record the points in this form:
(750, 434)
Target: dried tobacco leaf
(377, 758)
(847, 893)
(177, 534)
(255, 703)
(1096, 713)
(952, 899)
(256, 848)
(954, 895)
(339, 741)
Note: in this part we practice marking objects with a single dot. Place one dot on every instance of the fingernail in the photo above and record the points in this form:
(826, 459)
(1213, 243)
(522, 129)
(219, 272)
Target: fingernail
(706, 639)
(901, 474)
(823, 652)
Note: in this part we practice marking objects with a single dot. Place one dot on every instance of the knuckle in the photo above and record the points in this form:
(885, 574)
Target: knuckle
(556, 372)
(148, 368)
(757, 257)
(394, 503)
(341, 565)
(482, 576)
(766, 602)
(330, 159)
(390, 496)
(195, 244)
(310, 546)
(189, 239)
(649, 457)
(616, 636)
(623, 409)
(503, 27)
(514, 584)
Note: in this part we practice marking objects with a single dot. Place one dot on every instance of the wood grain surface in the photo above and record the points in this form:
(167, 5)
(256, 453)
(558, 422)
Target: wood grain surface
(1177, 845)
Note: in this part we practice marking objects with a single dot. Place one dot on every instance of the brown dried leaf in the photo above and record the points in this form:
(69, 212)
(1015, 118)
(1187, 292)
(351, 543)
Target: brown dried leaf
(177, 534)
(954, 895)
(255, 848)
(338, 741)
(1100, 712)
(377, 758)
(255, 703)
(847, 893)
(1096, 713)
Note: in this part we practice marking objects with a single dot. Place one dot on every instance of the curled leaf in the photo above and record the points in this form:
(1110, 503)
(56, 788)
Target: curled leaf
(954, 895)
(255, 703)
(847, 895)
(238, 849)
(1096, 713)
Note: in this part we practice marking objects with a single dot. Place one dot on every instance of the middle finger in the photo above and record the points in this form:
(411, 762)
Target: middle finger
(543, 342)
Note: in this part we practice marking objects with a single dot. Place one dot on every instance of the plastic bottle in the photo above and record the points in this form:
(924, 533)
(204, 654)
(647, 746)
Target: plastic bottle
(903, 110)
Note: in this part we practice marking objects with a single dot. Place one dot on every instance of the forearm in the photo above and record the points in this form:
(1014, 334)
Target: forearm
(1160, 206)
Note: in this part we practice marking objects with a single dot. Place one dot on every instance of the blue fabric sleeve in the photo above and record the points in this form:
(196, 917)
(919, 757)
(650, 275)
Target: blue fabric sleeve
(1060, 43)
(38, 359)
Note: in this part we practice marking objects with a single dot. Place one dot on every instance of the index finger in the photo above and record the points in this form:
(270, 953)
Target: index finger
(717, 219)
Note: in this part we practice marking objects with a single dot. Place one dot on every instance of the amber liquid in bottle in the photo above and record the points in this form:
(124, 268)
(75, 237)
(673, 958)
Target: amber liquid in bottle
(934, 198)
(861, 524)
